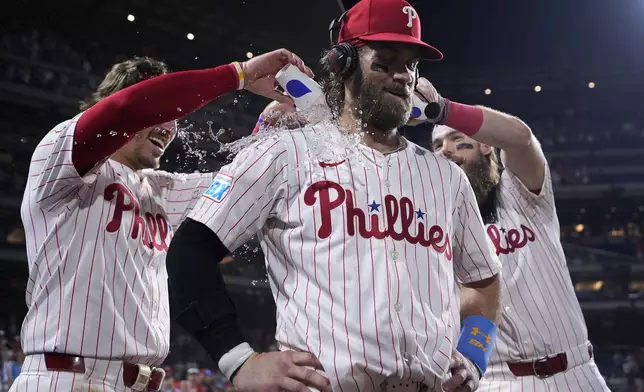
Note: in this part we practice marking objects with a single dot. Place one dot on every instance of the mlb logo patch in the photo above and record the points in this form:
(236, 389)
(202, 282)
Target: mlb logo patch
(219, 188)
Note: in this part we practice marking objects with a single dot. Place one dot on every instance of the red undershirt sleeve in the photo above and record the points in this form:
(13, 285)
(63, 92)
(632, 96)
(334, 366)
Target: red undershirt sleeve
(164, 98)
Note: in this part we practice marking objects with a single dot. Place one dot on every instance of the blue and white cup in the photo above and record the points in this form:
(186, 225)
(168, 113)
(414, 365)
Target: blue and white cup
(418, 107)
(304, 90)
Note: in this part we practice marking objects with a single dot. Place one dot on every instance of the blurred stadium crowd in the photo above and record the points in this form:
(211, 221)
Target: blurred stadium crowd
(594, 148)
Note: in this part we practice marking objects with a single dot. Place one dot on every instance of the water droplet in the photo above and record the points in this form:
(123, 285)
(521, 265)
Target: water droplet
(178, 109)
(99, 135)
(113, 133)
(125, 134)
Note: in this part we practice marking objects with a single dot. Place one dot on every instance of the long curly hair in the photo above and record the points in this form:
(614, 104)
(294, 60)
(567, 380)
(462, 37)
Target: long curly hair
(489, 205)
(123, 75)
(333, 83)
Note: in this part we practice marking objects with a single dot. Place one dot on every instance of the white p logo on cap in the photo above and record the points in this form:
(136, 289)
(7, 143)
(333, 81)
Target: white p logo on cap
(412, 14)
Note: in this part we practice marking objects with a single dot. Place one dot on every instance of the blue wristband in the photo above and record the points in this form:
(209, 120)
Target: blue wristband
(477, 340)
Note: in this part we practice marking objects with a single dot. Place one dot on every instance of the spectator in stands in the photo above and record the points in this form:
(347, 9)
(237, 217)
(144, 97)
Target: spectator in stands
(205, 379)
(169, 384)
(16, 235)
(193, 381)
(12, 365)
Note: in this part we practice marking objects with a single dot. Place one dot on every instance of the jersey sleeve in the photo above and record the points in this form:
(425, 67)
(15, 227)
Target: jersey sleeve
(542, 203)
(474, 257)
(244, 194)
(51, 171)
(181, 193)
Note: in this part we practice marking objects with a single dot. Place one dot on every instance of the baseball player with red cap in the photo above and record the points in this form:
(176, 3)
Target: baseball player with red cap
(542, 342)
(375, 250)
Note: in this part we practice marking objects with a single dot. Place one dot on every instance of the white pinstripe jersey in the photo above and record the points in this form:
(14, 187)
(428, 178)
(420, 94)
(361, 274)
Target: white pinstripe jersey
(540, 312)
(96, 247)
(362, 252)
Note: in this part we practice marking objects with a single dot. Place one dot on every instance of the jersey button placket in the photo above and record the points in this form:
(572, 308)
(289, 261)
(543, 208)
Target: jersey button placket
(386, 168)
(392, 256)
(404, 309)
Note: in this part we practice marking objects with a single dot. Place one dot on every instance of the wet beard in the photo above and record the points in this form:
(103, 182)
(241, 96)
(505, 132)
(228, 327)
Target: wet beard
(485, 185)
(380, 109)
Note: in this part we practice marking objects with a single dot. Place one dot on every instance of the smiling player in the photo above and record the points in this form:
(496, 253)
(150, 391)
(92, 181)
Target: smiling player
(98, 221)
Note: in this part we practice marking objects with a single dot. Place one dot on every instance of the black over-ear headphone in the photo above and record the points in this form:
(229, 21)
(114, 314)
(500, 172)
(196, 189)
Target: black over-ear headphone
(343, 58)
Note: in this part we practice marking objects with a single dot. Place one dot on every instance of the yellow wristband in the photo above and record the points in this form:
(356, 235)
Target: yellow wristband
(240, 75)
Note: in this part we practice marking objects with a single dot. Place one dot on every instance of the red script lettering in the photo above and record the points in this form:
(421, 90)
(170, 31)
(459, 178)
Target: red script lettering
(153, 228)
(331, 195)
(514, 238)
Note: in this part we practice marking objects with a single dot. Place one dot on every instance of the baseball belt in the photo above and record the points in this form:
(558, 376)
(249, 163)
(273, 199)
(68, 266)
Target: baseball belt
(135, 376)
(544, 367)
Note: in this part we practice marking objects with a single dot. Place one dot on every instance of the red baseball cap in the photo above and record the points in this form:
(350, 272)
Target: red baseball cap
(388, 21)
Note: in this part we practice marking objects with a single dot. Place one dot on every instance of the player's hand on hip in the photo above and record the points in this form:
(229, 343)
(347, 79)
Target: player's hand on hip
(260, 72)
(464, 377)
(290, 371)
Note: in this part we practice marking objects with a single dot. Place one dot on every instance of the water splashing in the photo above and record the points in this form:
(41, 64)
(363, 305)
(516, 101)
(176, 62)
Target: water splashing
(326, 143)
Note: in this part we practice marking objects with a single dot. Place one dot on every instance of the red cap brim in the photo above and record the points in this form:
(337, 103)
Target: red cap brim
(428, 52)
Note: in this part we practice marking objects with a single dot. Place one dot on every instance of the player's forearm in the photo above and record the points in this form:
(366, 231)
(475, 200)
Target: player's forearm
(520, 150)
(503, 131)
(205, 309)
(481, 298)
(489, 126)
(479, 308)
(113, 121)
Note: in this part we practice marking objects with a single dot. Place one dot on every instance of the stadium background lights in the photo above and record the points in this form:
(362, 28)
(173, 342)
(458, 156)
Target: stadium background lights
(488, 91)
(537, 88)
(579, 228)
(190, 36)
(249, 55)
(591, 85)
(131, 18)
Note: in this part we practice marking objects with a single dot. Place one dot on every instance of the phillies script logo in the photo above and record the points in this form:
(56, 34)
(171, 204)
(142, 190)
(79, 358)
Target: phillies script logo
(394, 210)
(146, 225)
(514, 238)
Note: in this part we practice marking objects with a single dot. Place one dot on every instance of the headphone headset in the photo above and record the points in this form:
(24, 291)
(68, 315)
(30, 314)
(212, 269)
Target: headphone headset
(343, 58)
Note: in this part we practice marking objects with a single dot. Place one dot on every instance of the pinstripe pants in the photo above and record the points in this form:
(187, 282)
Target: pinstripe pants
(581, 378)
(100, 376)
